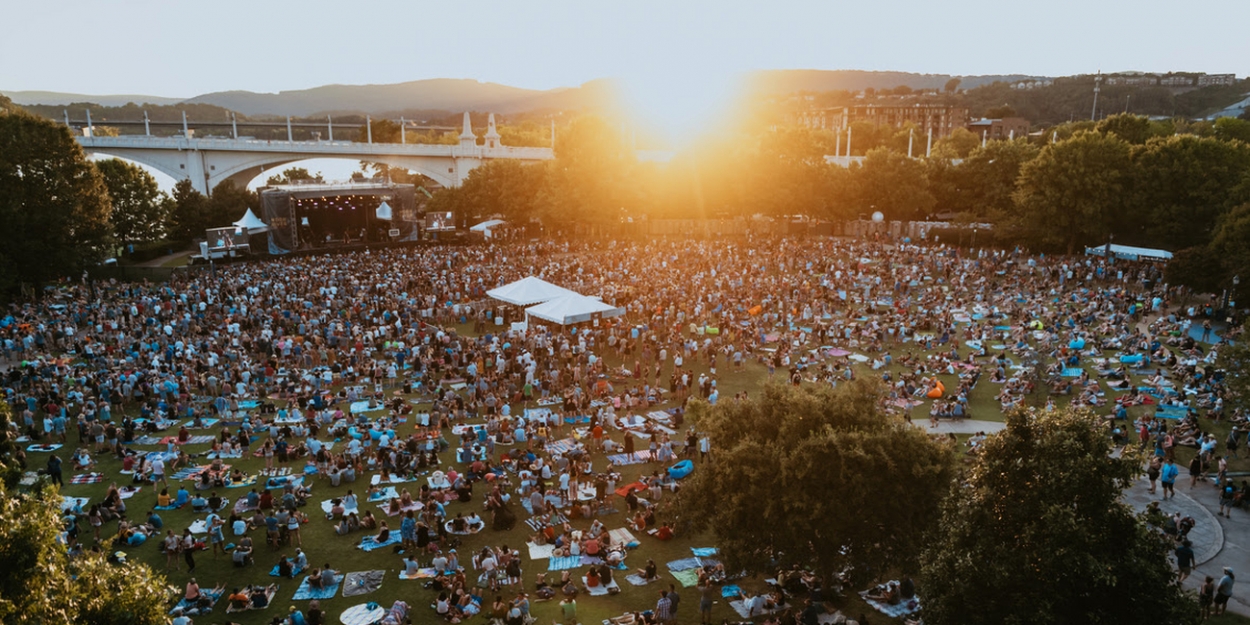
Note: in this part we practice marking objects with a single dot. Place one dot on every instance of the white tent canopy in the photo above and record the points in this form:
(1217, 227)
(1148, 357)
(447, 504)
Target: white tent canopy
(487, 225)
(573, 309)
(251, 222)
(1128, 252)
(384, 211)
(528, 291)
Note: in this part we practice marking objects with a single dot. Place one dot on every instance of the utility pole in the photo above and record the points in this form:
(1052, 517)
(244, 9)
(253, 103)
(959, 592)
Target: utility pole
(90, 127)
(910, 133)
(147, 130)
(330, 125)
(928, 148)
(403, 134)
(186, 132)
(1097, 82)
(369, 129)
(289, 136)
(234, 125)
(66, 116)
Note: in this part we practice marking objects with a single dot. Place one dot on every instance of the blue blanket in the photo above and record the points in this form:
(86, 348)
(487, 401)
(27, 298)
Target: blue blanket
(306, 591)
(564, 562)
(369, 544)
(274, 572)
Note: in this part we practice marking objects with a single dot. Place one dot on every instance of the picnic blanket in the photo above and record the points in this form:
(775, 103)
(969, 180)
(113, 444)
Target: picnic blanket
(214, 455)
(426, 573)
(295, 571)
(200, 526)
(561, 446)
(363, 406)
(685, 564)
(638, 457)
(41, 447)
(902, 608)
(369, 544)
(306, 591)
(741, 608)
(636, 486)
(536, 524)
(246, 481)
(186, 606)
(729, 591)
(127, 492)
(362, 582)
(415, 506)
(275, 472)
(74, 504)
(1172, 412)
(637, 579)
(704, 552)
(600, 590)
(392, 478)
(384, 495)
(564, 563)
(208, 423)
(268, 593)
(328, 505)
(87, 478)
(688, 578)
(1073, 372)
(622, 536)
(540, 552)
(551, 498)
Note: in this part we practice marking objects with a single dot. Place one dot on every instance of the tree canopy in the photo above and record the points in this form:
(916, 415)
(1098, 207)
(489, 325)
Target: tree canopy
(139, 208)
(54, 206)
(814, 476)
(1037, 533)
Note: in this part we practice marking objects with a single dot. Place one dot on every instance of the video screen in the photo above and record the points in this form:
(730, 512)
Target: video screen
(225, 238)
(440, 221)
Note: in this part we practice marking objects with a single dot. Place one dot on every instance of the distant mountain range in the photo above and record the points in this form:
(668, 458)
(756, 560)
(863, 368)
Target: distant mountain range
(446, 94)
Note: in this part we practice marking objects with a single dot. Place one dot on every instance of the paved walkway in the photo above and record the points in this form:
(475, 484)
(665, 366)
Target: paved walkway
(1218, 541)
(964, 426)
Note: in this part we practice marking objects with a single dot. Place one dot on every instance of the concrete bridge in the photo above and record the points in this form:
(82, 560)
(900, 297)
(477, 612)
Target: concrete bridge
(210, 162)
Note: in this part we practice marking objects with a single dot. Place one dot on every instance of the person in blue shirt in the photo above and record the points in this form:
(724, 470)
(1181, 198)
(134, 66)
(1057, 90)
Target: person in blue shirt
(155, 520)
(1167, 476)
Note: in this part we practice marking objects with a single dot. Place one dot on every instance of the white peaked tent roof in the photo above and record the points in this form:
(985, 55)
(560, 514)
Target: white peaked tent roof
(527, 291)
(573, 309)
(251, 222)
(384, 211)
(487, 225)
(1129, 252)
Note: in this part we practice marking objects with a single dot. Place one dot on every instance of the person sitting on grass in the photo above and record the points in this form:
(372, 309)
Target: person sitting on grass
(648, 572)
(239, 599)
(259, 596)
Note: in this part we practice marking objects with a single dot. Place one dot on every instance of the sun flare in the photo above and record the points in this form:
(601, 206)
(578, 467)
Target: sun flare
(680, 104)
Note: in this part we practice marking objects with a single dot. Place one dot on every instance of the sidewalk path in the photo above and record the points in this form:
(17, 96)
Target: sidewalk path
(963, 426)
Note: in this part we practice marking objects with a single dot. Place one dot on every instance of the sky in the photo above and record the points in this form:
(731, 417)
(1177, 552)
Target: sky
(179, 48)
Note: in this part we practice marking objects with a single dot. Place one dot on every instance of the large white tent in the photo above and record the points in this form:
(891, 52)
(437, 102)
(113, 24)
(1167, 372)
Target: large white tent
(528, 291)
(485, 226)
(573, 309)
(251, 222)
(1128, 252)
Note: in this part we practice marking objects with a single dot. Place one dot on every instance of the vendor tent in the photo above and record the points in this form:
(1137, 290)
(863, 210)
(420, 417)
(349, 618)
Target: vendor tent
(487, 225)
(251, 222)
(573, 309)
(1128, 252)
(528, 291)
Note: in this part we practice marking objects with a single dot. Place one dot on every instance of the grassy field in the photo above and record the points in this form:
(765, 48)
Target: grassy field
(322, 545)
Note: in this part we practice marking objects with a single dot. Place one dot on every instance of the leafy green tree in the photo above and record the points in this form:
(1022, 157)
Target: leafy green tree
(589, 183)
(958, 144)
(951, 85)
(503, 187)
(1232, 129)
(1074, 191)
(987, 177)
(54, 207)
(1234, 361)
(814, 476)
(1183, 185)
(188, 217)
(139, 208)
(294, 174)
(382, 131)
(1230, 248)
(999, 112)
(1198, 268)
(1135, 129)
(1038, 533)
(893, 184)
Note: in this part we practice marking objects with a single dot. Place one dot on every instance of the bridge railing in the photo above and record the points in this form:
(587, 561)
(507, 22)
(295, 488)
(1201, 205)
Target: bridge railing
(314, 147)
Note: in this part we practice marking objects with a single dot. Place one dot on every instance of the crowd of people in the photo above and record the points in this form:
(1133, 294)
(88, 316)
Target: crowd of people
(276, 359)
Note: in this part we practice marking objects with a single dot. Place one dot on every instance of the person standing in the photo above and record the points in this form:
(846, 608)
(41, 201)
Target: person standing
(707, 596)
(1224, 590)
(54, 470)
(1152, 472)
(674, 599)
(1184, 560)
(1168, 475)
(1206, 596)
(188, 550)
(664, 609)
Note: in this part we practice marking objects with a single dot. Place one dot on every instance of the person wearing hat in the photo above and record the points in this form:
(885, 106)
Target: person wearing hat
(1224, 590)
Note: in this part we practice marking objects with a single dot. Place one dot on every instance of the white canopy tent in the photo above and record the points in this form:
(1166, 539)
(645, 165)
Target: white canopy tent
(384, 211)
(528, 291)
(251, 223)
(573, 309)
(487, 225)
(1128, 252)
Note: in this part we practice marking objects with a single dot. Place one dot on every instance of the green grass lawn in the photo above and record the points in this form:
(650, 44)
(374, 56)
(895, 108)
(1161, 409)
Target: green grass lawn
(322, 545)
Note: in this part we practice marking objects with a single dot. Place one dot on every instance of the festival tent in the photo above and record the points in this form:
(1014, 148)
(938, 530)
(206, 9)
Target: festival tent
(528, 291)
(573, 309)
(485, 226)
(1128, 252)
(384, 211)
(251, 223)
